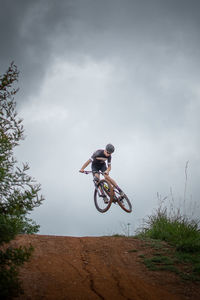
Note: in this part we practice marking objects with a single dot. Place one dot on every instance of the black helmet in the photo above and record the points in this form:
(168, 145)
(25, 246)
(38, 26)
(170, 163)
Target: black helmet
(110, 148)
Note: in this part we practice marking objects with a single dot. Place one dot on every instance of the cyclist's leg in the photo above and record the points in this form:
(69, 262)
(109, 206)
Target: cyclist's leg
(95, 170)
(113, 182)
(96, 175)
(103, 169)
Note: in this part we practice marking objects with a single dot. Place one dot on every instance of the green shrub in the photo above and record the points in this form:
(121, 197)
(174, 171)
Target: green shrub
(18, 191)
(176, 230)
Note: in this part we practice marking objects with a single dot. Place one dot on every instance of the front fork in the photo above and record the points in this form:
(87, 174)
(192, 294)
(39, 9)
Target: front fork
(96, 181)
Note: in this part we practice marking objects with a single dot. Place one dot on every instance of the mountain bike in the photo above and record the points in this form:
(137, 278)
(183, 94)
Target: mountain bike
(105, 194)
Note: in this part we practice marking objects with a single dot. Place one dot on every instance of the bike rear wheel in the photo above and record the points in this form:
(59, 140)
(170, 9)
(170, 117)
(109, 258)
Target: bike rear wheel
(103, 188)
(123, 202)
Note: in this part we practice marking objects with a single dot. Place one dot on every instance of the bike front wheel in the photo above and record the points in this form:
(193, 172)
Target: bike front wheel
(103, 195)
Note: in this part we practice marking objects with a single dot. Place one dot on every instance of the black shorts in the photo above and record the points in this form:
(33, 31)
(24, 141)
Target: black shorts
(99, 167)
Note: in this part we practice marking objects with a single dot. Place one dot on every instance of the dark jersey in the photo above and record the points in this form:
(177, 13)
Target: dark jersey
(99, 158)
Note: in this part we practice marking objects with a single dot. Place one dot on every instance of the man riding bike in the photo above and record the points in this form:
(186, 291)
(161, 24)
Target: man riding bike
(98, 160)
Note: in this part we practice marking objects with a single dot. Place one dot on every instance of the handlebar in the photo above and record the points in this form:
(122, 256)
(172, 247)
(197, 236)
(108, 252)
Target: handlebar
(89, 172)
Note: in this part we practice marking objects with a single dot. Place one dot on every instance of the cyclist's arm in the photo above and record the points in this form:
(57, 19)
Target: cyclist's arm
(108, 165)
(85, 165)
(108, 169)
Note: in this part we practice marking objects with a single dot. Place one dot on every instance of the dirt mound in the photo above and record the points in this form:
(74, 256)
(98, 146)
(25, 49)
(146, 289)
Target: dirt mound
(95, 268)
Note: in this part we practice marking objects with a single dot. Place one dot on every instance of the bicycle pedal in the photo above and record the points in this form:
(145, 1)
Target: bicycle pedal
(115, 200)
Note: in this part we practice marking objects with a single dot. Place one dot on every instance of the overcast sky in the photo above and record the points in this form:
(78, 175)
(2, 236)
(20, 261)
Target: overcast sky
(93, 72)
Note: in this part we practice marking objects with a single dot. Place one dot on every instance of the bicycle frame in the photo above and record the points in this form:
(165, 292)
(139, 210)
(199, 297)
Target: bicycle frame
(112, 193)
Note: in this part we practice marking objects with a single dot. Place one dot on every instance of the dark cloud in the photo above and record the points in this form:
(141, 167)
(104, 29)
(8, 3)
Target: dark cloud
(33, 33)
(28, 32)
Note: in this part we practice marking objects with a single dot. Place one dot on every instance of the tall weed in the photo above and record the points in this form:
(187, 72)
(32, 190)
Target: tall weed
(176, 225)
(177, 230)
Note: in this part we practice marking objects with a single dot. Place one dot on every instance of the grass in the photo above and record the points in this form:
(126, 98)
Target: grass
(117, 235)
(156, 263)
(175, 243)
(132, 250)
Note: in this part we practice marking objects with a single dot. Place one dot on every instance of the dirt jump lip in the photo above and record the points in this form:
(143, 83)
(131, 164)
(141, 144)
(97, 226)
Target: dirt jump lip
(95, 268)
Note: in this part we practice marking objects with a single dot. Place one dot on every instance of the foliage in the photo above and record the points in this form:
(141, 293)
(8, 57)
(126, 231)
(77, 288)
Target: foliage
(10, 260)
(182, 235)
(19, 193)
(179, 231)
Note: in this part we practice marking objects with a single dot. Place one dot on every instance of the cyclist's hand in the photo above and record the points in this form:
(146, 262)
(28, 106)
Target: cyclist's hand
(81, 170)
(106, 173)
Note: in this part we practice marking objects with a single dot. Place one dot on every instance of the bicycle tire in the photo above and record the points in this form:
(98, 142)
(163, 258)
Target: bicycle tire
(124, 203)
(100, 205)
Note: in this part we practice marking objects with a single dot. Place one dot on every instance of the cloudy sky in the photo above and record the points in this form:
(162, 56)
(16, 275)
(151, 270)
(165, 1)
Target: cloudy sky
(94, 72)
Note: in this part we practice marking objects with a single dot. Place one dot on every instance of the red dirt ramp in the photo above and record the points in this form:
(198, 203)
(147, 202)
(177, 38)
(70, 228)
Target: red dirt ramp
(95, 268)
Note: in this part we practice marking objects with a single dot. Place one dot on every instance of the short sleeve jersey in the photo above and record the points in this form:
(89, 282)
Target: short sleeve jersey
(99, 157)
